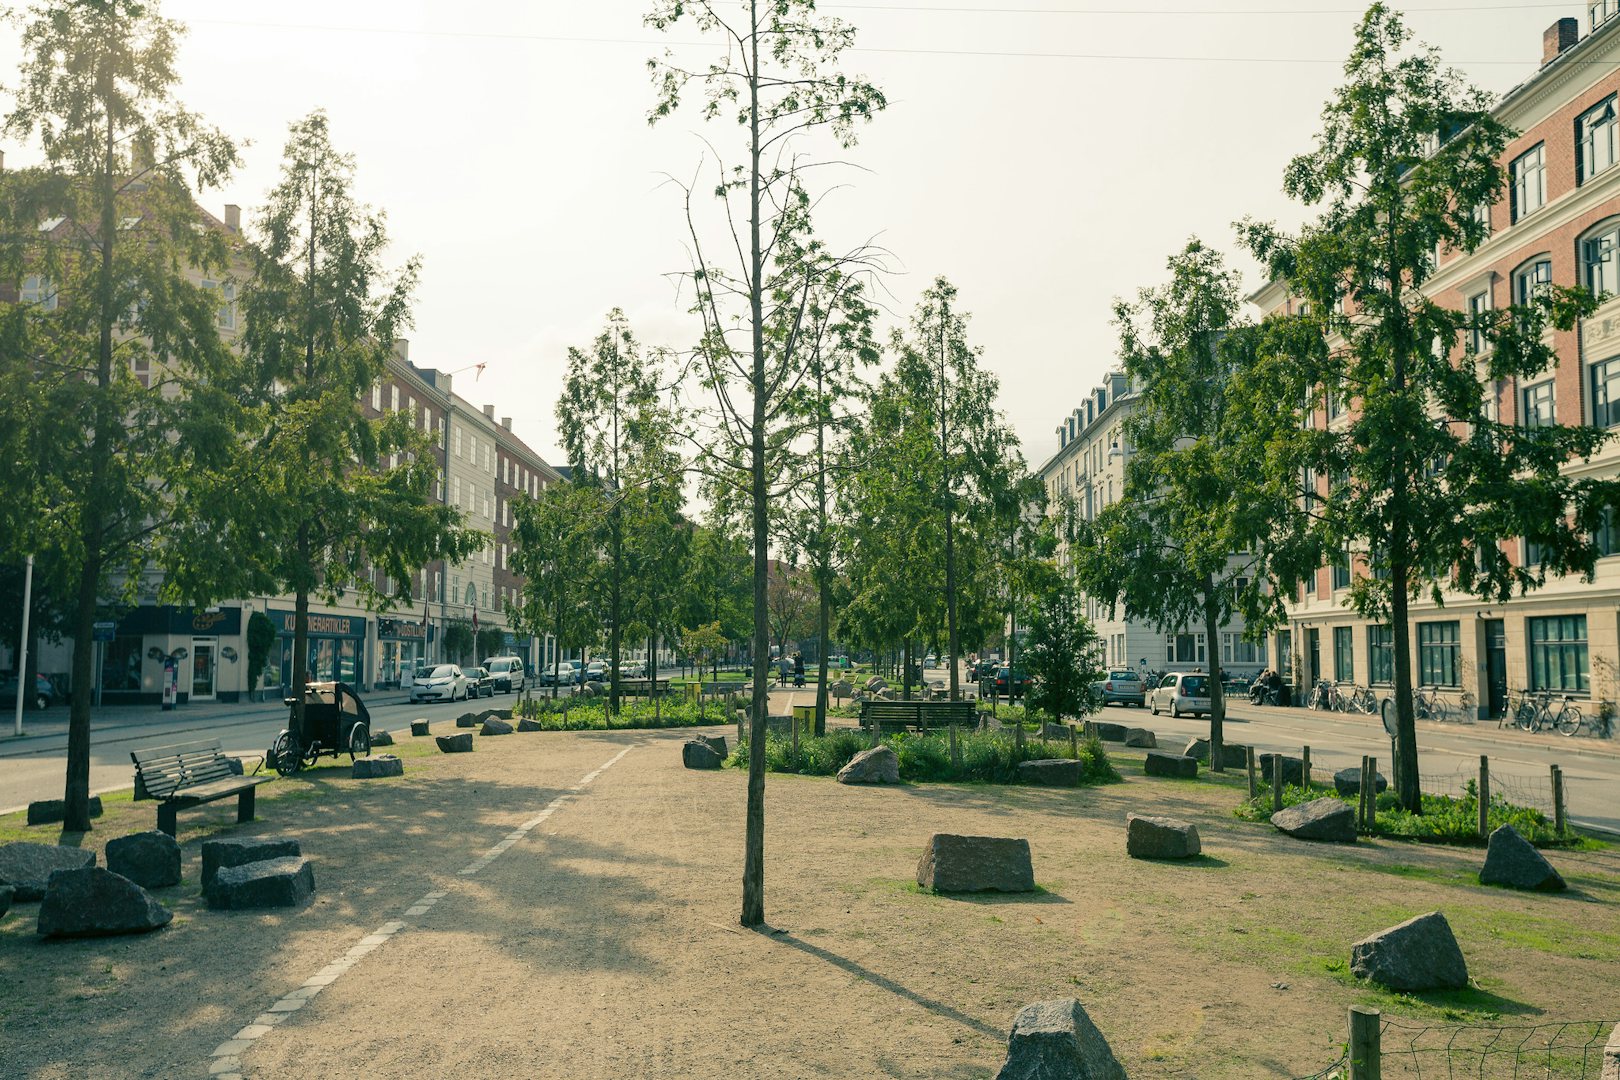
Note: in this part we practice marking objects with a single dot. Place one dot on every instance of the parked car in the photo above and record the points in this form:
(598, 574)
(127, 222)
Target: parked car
(445, 682)
(930, 660)
(596, 671)
(479, 683)
(1010, 682)
(632, 669)
(1179, 693)
(565, 674)
(984, 669)
(1122, 686)
(507, 671)
(43, 697)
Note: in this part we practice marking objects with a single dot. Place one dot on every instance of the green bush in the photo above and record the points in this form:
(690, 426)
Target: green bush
(989, 758)
(1446, 819)
(592, 715)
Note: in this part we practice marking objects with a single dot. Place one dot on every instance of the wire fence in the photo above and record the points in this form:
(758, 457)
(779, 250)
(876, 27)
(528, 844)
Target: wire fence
(1571, 1050)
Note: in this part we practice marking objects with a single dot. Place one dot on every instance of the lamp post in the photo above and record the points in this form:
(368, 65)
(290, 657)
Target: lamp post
(22, 644)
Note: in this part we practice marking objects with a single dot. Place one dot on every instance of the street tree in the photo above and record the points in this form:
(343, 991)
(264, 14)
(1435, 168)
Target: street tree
(719, 585)
(1208, 525)
(791, 602)
(1424, 481)
(1062, 654)
(778, 75)
(554, 552)
(109, 247)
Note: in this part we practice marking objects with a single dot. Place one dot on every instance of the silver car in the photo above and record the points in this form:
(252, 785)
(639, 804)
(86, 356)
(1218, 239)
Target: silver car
(1180, 694)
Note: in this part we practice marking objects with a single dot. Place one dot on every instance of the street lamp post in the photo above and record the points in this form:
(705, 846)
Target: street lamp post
(22, 643)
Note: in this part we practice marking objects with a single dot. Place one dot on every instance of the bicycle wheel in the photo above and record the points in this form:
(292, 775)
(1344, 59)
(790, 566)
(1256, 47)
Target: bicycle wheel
(1441, 711)
(1525, 718)
(286, 755)
(1568, 721)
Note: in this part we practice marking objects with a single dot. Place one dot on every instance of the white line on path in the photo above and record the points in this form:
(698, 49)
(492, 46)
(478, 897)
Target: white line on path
(226, 1061)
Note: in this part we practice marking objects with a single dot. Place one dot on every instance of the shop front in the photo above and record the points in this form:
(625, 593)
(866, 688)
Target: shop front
(203, 647)
(337, 646)
(401, 645)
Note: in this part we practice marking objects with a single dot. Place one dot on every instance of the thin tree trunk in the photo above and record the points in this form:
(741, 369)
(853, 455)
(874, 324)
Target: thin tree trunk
(615, 603)
(1217, 692)
(905, 672)
(947, 497)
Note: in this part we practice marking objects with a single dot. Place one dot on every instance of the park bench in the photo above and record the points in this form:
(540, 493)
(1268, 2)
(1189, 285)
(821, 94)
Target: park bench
(189, 774)
(643, 687)
(918, 715)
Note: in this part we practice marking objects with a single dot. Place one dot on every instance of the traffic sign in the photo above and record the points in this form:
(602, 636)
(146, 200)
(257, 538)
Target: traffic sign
(105, 631)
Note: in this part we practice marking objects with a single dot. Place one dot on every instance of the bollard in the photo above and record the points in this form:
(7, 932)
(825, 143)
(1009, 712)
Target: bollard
(1366, 1051)
(1018, 734)
(1484, 793)
(793, 720)
(1305, 767)
(874, 730)
(1074, 743)
(1559, 820)
(1254, 780)
(1371, 787)
(956, 749)
(1366, 786)
(1276, 783)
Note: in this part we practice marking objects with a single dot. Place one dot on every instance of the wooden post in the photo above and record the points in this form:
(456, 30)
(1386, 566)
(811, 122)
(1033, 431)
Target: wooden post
(1361, 798)
(874, 729)
(1074, 742)
(1366, 1051)
(1305, 767)
(1254, 779)
(1018, 734)
(1276, 783)
(793, 720)
(1484, 793)
(1371, 787)
(1559, 820)
(956, 749)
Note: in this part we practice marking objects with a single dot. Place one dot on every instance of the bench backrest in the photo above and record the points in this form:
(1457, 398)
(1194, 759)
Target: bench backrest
(935, 712)
(163, 770)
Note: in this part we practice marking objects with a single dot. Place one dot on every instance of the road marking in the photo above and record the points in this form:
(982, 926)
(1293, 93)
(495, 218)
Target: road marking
(226, 1061)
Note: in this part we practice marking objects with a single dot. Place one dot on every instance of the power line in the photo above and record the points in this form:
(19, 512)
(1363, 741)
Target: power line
(1447, 8)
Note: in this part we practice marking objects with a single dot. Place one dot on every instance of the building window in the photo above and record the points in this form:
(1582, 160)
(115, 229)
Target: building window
(1341, 570)
(1344, 655)
(1532, 280)
(1603, 10)
(1606, 538)
(1533, 553)
(121, 664)
(1235, 650)
(225, 316)
(1479, 306)
(393, 399)
(1606, 393)
(1439, 654)
(39, 291)
(376, 397)
(1595, 139)
(1529, 181)
(1558, 654)
(1600, 263)
(1185, 649)
(1381, 655)
(1482, 214)
(1536, 408)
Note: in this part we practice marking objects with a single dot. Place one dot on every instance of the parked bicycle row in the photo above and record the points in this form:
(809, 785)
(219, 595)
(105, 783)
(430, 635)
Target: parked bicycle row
(1526, 710)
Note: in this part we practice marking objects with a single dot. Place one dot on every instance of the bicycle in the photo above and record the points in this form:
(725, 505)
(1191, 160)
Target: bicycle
(1361, 699)
(1567, 721)
(1521, 711)
(1429, 705)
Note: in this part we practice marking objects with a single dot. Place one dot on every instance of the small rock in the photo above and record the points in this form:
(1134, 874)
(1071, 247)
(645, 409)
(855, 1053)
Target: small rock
(1293, 768)
(874, 684)
(47, 811)
(1418, 954)
(1160, 838)
(495, 726)
(419, 727)
(987, 724)
(149, 859)
(1050, 772)
(94, 902)
(1109, 732)
(381, 738)
(1279, 986)
(27, 867)
(953, 863)
(1320, 819)
(879, 765)
(1233, 756)
(527, 724)
(840, 690)
(1141, 737)
(455, 744)
(1056, 1040)
(1348, 782)
(284, 882)
(6, 893)
(1159, 763)
(1511, 860)
(698, 754)
(467, 719)
(1054, 731)
(218, 855)
(504, 714)
(377, 766)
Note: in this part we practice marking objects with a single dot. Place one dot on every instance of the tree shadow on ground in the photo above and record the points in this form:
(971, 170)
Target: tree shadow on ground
(865, 974)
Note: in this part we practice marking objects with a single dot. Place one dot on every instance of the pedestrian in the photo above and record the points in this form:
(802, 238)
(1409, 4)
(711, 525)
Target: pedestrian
(798, 669)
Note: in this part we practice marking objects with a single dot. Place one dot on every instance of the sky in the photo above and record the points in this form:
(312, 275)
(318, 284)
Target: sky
(1047, 156)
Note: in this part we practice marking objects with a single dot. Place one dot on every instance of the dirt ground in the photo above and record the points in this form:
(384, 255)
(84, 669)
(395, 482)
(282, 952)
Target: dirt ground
(603, 943)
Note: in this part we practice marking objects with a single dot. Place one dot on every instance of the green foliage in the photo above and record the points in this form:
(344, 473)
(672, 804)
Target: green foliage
(458, 640)
(261, 636)
(489, 642)
(594, 715)
(1061, 656)
(1445, 819)
(554, 551)
(986, 757)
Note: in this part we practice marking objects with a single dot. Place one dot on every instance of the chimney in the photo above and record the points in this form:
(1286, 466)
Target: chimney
(1559, 37)
(506, 422)
(2, 161)
(489, 411)
(402, 348)
(233, 217)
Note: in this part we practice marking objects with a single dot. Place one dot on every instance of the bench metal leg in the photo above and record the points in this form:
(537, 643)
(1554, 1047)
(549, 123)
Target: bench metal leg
(167, 813)
(244, 805)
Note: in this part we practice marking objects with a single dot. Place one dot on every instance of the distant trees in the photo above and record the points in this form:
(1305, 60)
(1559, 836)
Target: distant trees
(554, 551)
(1061, 655)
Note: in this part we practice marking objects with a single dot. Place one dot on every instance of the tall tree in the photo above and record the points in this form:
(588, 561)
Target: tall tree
(1062, 654)
(108, 237)
(718, 588)
(1427, 484)
(319, 499)
(779, 76)
(554, 551)
(1207, 519)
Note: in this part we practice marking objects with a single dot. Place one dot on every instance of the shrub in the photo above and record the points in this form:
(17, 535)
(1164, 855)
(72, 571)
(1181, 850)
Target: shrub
(592, 715)
(986, 757)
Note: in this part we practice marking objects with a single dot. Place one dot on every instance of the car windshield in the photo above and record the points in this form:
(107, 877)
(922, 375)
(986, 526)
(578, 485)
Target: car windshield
(1122, 675)
(443, 671)
(1194, 686)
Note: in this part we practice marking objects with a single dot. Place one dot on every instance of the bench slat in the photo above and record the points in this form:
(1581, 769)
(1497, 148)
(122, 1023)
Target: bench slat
(219, 789)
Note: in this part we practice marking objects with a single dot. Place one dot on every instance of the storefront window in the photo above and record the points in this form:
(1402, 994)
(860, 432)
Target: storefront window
(121, 664)
(1558, 654)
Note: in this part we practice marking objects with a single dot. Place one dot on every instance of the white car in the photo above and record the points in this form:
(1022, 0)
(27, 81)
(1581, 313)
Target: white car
(1180, 694)
(445, 682)
(507, 671)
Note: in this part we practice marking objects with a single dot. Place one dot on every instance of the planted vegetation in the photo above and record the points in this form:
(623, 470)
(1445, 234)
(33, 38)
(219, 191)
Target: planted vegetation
(985, 758)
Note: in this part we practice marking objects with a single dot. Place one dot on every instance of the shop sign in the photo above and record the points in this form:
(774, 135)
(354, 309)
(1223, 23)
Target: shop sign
(167, 619)
(401, 630)
(320, 625)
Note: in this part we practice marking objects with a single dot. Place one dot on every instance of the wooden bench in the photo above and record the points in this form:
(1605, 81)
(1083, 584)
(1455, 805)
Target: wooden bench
(643, 687)
(908, 715)
(189, 774)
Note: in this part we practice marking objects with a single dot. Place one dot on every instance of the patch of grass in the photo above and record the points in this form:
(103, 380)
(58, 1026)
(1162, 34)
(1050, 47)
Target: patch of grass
(985, 757)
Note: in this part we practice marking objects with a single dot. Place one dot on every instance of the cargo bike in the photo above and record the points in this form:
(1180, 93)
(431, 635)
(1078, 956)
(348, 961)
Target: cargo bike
(336, 722)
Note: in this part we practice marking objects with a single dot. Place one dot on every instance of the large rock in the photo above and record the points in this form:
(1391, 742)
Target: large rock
(1054, 731)
(378, 766)
(1320, 819)
(6, 893)
(879, 765)
(527, 724)
(987, 724)
(888, 695)
(1160, 838)
(504, 714)
(149, 859)
(1109, 732)
(1418, 954)
(1293, 768)
(1159, 763)
(1348, 782)
(1050, 772)
(1141, 737)
(27, 867)
(874, 684)
(93, 902)
(219, 855)
(717, 743)
(467, 719)
(1233, 756)
(455, 744)
(1056, 1040)
(1611, 1056)
(495, 726)
(381, 738)
(697, 754)
(419, 728)
(46, 811)
(840, 689)
(272, 883)
(1510, 860)
(953, 863)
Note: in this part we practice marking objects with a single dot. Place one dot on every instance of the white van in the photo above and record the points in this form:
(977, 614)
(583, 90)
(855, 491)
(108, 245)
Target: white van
(507, 673)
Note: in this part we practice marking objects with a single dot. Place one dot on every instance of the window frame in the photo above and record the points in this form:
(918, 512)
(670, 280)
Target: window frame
(1380, 655)
(1344, 654)
(1519, 185)
(1586, 139)
(1439, 657)
(1573, 653)
(1547, 387)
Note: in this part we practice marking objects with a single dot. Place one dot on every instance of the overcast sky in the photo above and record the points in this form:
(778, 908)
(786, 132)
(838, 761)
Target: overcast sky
(508, 144)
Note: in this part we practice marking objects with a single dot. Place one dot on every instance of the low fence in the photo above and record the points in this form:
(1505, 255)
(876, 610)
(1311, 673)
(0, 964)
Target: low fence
(1379, 1049)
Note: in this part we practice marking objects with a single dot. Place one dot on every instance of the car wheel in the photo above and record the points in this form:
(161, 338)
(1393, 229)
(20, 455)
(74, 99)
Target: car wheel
(1154, 705)
(1175, 710)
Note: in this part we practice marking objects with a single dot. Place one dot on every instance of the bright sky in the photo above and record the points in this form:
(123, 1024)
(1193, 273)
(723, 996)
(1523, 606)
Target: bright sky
(1046, 155)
